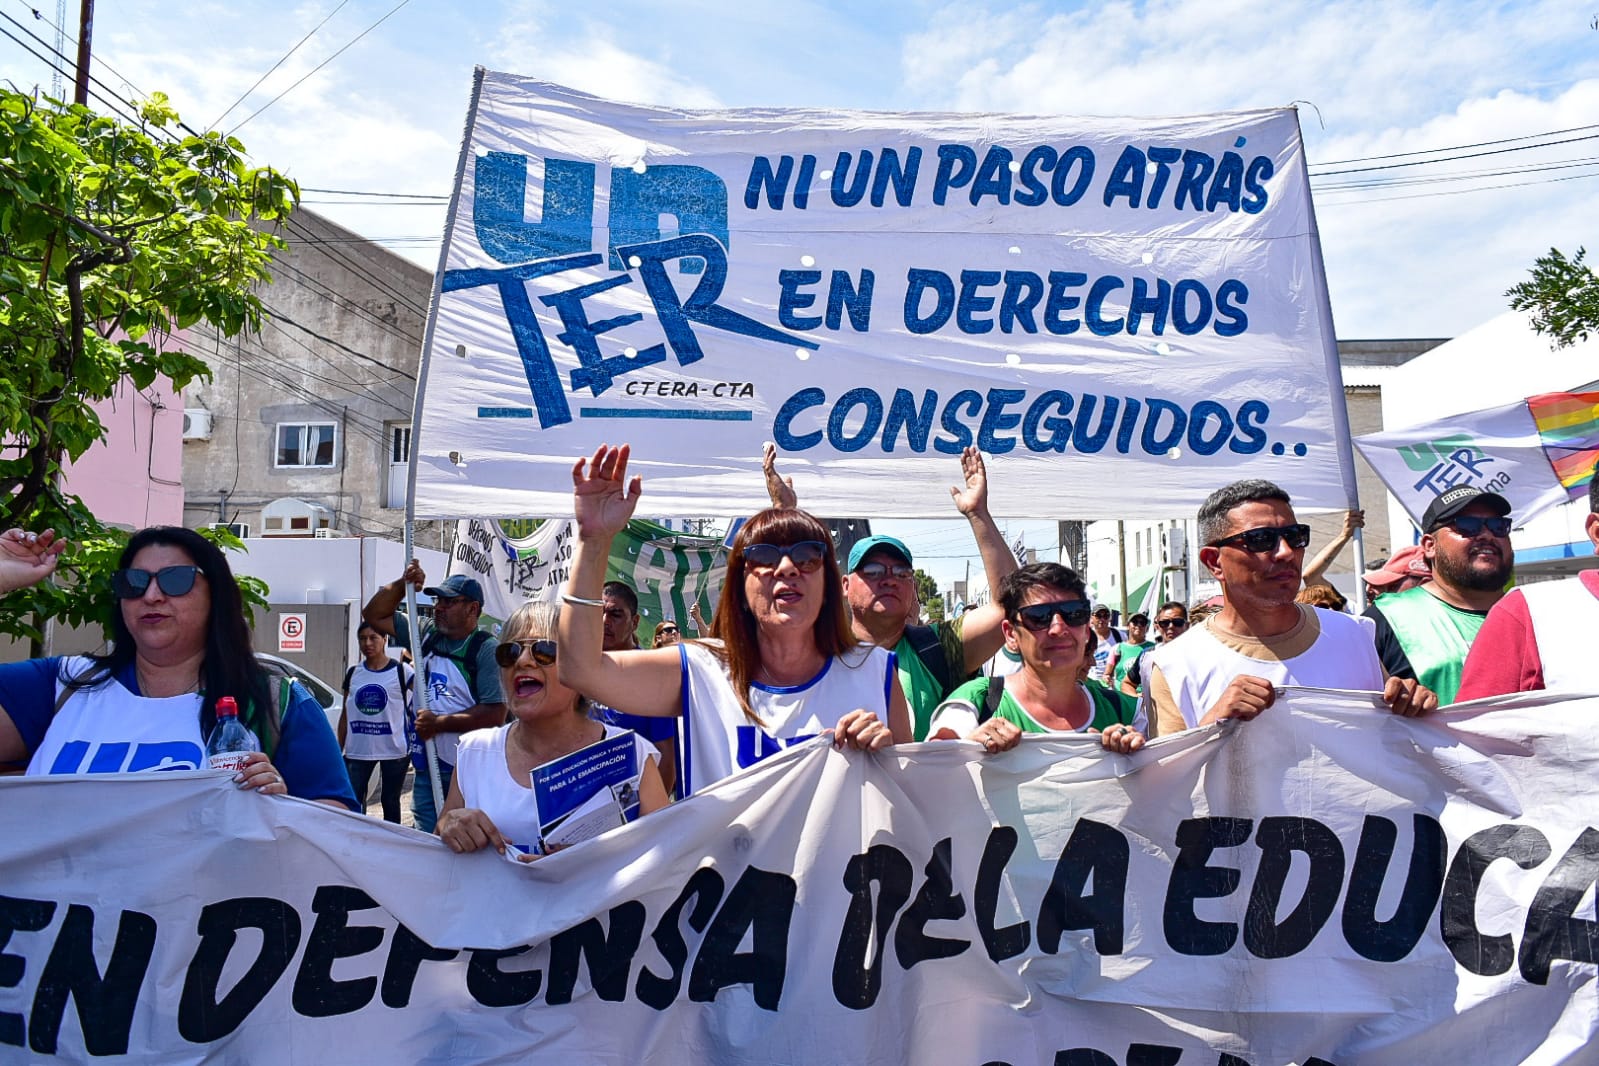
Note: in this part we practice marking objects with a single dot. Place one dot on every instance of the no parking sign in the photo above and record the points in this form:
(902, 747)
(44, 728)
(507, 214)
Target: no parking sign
(291, 632)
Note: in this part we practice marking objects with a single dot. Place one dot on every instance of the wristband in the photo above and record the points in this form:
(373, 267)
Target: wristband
(579, 601)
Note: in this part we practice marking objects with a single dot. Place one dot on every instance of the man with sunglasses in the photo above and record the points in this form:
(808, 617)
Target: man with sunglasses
(1171, 622)
(457, 661)
(1425, 632)
(1231, 666)
(880, 585)
(1539, 636)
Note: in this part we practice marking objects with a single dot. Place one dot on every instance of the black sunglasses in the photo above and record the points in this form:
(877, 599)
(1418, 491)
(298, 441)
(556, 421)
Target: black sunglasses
(877, 571)
(806, 555)
(1036, 617)
(668, 629)
(1469, 525)
(1171, 623)
(508, 653)
(172, 580)
(1264, 539)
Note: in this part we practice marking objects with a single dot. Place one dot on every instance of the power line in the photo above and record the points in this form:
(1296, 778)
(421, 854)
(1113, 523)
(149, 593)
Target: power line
(280, 316)
(1458, 147)
(1458, 192)
(319, 66)
(1463, 155)
(396, 195)
(218, 120)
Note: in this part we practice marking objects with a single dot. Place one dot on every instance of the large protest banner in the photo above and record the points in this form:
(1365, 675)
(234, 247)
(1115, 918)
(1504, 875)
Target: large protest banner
(1326, 884)
(1136, 305)
(669, 570)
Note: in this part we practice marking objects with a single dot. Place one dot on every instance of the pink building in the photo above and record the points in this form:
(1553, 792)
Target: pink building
(135, 477)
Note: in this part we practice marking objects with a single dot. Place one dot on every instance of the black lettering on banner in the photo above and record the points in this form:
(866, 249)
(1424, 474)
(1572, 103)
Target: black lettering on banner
(1012, 940)
(316, 994)
(105, 1001)
(18, 915)
(937, 901)
(705, 889)
(610, 957)
(1485, 956)
(1278, 839)
(1553, 930)
(1153, 1055)
(761, 904)
(1393, 939)
(1096, 851)
(1083, 1056)
(202, 1016)
(856, 984)
(407, 953)
(494, 987)
(1192, 879)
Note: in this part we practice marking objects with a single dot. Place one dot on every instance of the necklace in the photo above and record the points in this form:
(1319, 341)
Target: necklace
(145, 686)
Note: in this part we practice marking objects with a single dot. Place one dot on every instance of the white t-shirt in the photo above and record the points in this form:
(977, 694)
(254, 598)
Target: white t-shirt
(487, 785)
(719, 739)
(375, 711)
(107, 730)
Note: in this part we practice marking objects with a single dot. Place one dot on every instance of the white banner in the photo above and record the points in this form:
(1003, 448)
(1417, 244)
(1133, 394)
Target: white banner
(1327, 884)
(1498, 450)
(1136, 305)
(668, 571)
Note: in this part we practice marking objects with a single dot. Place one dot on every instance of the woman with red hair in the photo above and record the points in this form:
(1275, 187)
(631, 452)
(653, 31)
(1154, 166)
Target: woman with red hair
(782, 666)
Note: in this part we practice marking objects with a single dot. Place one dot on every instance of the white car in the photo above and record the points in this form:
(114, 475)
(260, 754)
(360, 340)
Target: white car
(331, 699)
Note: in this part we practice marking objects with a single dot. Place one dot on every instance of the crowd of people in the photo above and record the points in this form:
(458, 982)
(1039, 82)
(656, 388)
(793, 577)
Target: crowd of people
(799, 646)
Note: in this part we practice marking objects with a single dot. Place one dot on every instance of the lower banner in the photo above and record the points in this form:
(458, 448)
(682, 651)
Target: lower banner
(1327, 884)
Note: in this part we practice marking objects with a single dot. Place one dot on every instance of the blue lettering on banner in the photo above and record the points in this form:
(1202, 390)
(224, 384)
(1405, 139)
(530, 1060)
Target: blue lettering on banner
(121, 757)
(755, 745)
(1000, 420)
(1462, 467)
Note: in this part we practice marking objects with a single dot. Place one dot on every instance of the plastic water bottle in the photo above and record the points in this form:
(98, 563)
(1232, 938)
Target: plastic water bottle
(231, 740)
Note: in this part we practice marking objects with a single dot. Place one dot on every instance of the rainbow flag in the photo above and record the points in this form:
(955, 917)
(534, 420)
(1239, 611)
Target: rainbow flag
(1568, 425)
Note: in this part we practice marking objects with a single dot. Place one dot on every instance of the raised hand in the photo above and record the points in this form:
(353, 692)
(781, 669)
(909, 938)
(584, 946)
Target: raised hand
(973, 499)
(599, 502)
(27, 558)
(778, 488)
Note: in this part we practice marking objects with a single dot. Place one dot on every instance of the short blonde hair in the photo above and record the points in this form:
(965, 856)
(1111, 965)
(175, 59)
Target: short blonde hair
(537, 621)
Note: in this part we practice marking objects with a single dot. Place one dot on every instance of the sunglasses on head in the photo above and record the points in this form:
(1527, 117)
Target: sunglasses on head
(1264, 538)
(509, 652)
(806, 555)
(1171, 623)
(877, 571)
(1036, 617)
(1470, 525)
(172, 580)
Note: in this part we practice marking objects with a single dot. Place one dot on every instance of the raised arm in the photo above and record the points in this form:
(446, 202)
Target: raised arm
(25, 560)
(1353, 520)
(779, 489)
(644, 681)
(980, 631)
(379, 610)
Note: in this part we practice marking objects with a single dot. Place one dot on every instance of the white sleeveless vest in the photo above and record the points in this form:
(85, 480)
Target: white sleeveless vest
(108, 730)
(1198, 667)
(1564, 614)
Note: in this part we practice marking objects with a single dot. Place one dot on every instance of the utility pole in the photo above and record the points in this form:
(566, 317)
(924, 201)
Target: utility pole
(80, 94)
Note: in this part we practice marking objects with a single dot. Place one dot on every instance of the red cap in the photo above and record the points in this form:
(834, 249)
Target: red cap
(1408, 562)
(227, 707)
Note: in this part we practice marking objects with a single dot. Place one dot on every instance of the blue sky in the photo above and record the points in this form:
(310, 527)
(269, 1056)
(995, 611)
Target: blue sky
(1417, 251)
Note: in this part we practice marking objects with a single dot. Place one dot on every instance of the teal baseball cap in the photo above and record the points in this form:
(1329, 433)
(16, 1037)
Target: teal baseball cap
(864, 547)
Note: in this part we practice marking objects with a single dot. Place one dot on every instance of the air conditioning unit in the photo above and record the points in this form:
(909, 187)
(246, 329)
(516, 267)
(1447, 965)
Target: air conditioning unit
(238, 529)
(196, 423)
(327, 534)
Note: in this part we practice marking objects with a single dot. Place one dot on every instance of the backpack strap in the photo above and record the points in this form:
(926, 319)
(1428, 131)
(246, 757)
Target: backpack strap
(348, 674)
(930, 650)
(991, 694)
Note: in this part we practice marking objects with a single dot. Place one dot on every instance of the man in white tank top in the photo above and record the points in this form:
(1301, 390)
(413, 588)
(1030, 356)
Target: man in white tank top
(1539, 636)
(1230, 665)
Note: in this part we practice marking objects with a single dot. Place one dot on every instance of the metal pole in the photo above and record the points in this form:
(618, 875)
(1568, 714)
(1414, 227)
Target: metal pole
(1121, 564)
(421, 687)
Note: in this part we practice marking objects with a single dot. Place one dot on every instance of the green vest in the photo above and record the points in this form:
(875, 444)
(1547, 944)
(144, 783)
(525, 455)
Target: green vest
(1435, 636)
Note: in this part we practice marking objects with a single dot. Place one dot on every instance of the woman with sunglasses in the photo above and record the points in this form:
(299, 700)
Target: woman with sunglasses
(179, 642)
(783, 666)
(666, 634)
(491, 795)
(1047, 619)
